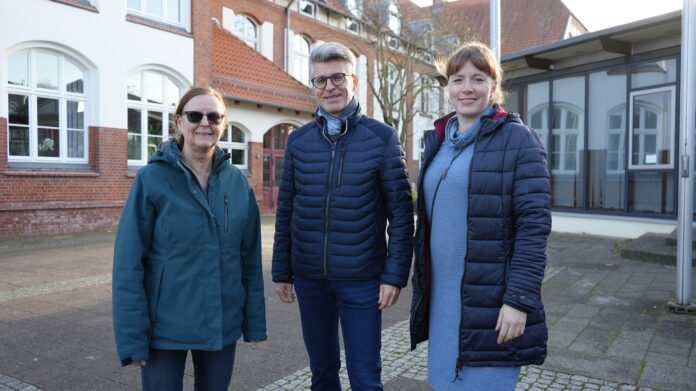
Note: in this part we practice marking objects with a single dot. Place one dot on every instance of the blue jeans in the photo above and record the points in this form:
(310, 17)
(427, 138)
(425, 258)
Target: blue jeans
(355, 303)
(165, 369)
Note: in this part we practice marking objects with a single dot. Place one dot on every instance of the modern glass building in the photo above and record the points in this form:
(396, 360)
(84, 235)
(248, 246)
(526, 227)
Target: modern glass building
(606, 106)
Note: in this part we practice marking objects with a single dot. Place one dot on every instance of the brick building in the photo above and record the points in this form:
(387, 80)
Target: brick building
(82, 108)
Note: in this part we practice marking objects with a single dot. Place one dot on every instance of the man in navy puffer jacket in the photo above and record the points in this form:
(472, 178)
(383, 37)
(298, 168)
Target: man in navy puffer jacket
(343, 178)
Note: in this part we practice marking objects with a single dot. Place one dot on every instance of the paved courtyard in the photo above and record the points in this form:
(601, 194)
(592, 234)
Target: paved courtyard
(608, 326)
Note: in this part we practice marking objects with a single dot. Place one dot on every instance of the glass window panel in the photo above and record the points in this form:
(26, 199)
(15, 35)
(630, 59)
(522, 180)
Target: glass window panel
(154, 7)
(134, 4)
(278, 169)
(73, 78)
(134, 121)
(225, 135)
(153, 87)
(47, 112)
(172, 93)
(154, 123)
(47, 71)
(537, 106)
(18, 70)
(556, 118)
(512, 101)
(18, 109)
(237, 157)
(651, 192)
(652, 142)
(173, 11)
(134, 151)
(571, 120)
(48, 142)
(237, 135)
(76, 144)
(19, 141)
(266, 171)
(134, 87)
(76, 115)
(278, 142)
(654, 73)
(606, 140)
(172, 125)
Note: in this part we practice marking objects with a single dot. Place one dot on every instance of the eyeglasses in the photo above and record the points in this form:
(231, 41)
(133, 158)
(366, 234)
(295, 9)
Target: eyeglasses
(196, 117)
(336, 79)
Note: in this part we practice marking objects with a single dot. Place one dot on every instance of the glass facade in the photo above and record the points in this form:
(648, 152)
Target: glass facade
(610, 135)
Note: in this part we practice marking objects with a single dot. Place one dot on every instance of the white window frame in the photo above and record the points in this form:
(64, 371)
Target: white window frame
(301, 59)
(308, 8)
(564, 134)
(643, 132)
(228, 145)
(184, 13)
(253, 41)
(620, 154)
(543, 130)
(165, 108)
(33, 92)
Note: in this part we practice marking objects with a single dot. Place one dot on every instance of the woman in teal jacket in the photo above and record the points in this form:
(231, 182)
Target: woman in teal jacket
(187, 259)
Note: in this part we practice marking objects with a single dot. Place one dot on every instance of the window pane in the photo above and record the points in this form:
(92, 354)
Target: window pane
(134, 147)
(18, 109)
(238, 157)
(654, 73)
(49, 143)
(154, 131)
(134, 4)
(173, 10)
(154, 7)
(18, 70)
(172, 125)
(278, 142)
(651, 192)
(537, 106)
(172, 93)
(652, 142)
(19, 141)
(153, 87)
(47, 112)
(237, 135)
(606, 140)
(73, 78)
(512, 101)
(278, 169)
(46, 71)
(76, 115)
(76, 143)
(266, 171)
(568, 114)
(134, 87)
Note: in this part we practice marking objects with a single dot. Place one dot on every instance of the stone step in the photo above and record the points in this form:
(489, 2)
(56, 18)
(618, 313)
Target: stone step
(672, 240)
(655, 248)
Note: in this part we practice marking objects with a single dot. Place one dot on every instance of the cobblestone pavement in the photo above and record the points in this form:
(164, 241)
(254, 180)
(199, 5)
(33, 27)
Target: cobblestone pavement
(607, 326)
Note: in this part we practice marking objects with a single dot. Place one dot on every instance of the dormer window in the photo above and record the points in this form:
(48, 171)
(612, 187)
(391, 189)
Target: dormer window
(307, 7)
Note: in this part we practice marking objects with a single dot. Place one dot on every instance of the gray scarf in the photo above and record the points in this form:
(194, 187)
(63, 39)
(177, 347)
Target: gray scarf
(335, 124)
(459, 139)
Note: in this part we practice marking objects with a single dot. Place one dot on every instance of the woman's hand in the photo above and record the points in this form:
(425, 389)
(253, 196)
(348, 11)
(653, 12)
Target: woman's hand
(511, 323)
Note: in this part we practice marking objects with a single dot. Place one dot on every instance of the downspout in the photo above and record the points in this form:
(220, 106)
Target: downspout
(287, 35)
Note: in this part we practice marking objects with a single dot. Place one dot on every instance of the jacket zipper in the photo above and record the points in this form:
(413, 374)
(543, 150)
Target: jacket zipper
(328, 195)
(226, 213)
(340, 164)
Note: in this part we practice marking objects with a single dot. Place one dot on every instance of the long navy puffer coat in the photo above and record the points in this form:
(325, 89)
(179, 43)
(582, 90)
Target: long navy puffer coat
(508, 224)
(335, 200)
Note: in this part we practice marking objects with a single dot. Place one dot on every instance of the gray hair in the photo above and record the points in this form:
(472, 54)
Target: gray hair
(331, 51)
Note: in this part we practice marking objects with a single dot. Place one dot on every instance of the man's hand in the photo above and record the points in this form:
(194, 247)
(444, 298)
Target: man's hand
(388, 295)
(511, 323)
(285, 293)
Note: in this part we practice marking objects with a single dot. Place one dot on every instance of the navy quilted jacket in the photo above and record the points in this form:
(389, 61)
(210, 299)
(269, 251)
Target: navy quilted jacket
(335, 200)
(508, 224)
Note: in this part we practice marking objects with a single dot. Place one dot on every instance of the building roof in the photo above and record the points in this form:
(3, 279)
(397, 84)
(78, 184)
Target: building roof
(243, 74)
(523, 24)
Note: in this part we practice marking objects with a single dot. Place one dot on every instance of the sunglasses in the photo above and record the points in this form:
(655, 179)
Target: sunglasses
(196, 117)
(337, 79)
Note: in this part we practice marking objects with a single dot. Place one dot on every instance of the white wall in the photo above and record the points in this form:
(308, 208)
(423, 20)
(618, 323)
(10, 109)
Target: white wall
(105, 42)
(259, 121)
(613, 226)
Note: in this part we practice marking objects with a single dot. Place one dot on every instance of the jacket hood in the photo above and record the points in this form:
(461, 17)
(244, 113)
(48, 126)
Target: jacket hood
(168, 152)
(499, 117)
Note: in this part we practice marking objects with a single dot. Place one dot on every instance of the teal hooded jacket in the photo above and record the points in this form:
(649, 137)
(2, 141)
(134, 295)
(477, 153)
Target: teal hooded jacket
(187, 271)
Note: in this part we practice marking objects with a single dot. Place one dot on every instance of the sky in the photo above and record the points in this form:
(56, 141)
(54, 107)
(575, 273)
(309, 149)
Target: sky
(601, 14)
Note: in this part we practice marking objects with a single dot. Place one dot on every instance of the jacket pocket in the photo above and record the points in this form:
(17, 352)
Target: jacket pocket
(154, 291)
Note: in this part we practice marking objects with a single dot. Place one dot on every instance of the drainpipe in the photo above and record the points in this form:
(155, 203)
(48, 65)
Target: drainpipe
(287, 36)
(687, 122)
(495, 28)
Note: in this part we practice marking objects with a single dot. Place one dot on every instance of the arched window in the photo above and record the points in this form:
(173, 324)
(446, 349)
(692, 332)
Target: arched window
(47, 106)
(234, 141)
(302, 47)
(152, 100)
(247, 30)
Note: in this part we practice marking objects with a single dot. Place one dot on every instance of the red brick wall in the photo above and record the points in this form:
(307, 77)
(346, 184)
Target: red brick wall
(42, 201)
